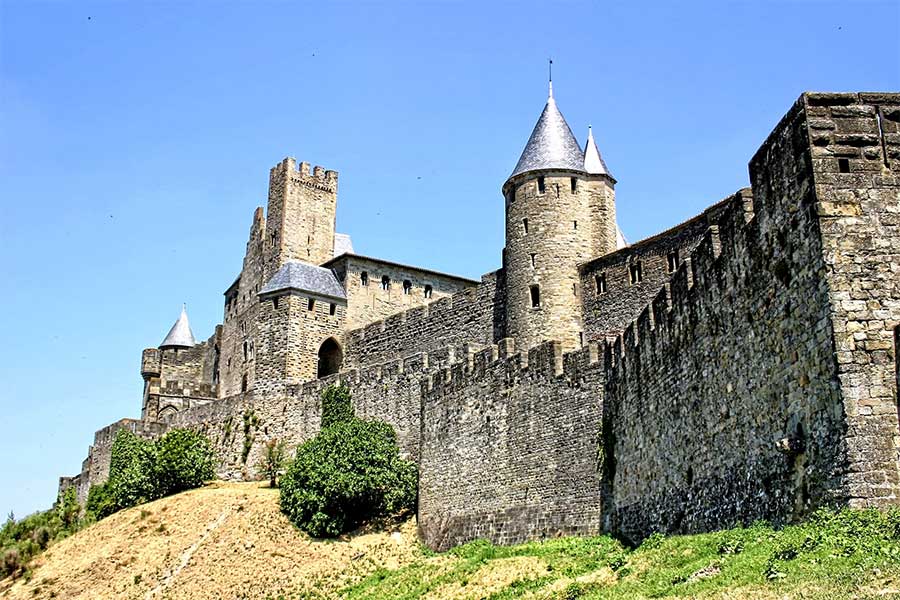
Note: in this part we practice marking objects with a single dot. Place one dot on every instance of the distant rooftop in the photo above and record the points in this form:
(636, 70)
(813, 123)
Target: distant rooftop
(304, 277)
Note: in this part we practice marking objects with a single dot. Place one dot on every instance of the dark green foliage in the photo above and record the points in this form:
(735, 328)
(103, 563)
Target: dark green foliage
(336, 406)
(142, 470)
(131, 470)
(184, 460)
(273, 461)
(349, 473)
(21, 540)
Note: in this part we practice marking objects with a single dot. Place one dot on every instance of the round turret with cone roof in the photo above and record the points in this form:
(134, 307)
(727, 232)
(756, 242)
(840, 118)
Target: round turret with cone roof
(560, 211)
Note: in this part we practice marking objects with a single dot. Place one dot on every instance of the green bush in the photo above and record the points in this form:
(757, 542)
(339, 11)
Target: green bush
(184, 460)
(132, 473)
(349, 473)
(100, 502)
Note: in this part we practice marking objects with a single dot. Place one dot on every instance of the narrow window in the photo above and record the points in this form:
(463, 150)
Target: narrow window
(332, 309)
(574, 224)
(428, 291)
(533, 260)
(535, 296)
(600, 280)
(275, 303)
(525, 225)
(244, 383)
(581, 339)
(672, 260)
(634, 271)
(407, 287)
(364, 278)
(385, 282)
(310, 304)
(541, 187)
(246, 350)
(574, 289)
(574, 184)
(843, 165)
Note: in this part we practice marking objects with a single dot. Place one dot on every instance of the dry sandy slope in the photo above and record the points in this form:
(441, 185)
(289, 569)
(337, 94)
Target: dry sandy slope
(227, 540)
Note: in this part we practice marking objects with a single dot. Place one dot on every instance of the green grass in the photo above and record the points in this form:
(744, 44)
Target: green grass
(848, 554)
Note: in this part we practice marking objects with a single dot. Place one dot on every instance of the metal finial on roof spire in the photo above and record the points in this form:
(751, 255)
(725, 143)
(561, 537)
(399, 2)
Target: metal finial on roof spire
(550, 78)
(180, 336)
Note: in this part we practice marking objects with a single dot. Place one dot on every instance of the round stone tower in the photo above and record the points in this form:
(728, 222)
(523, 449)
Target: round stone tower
(560, 211)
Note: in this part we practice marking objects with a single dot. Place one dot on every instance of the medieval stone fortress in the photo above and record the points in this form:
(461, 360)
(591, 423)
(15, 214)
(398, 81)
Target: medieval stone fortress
(740, 365)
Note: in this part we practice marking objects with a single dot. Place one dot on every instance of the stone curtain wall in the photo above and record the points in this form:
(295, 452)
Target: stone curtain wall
(722, 403)
(855, 142)
(472, 316)
(607, 313)
(509, 447)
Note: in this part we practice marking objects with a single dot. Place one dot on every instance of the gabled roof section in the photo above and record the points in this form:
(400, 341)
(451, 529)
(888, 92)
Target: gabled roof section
(303, 277)
(593, 162)
(552, 144)
(342, 244)
(180, 336)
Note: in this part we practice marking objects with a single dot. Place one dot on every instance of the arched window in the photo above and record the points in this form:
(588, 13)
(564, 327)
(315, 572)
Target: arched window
(385, 282)
(331, 357)
(407, 287)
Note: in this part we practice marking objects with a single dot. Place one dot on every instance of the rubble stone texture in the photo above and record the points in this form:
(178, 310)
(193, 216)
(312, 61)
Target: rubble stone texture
(741, 365)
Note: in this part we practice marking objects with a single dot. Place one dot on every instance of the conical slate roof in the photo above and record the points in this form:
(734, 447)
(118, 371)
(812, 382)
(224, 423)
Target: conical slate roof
(552, 144)
(180, 336)
(593, 163)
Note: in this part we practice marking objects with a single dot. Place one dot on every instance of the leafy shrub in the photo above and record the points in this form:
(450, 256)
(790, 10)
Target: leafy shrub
(100, 501)
(132, 476)
(184, 460)
(336, 406)
(272, 462)
(349, 473)
(67, 508)
(11, 562)
(41, 537)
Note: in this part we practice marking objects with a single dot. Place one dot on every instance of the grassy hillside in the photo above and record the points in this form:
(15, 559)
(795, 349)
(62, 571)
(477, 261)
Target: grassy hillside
(230, 541)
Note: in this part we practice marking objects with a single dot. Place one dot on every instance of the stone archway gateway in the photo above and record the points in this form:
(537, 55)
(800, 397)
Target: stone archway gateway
(330, 357)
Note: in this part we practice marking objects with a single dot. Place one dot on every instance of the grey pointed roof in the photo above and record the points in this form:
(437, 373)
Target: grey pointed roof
(180, 336)
(552, 144)
(593, 162)
(304, 277)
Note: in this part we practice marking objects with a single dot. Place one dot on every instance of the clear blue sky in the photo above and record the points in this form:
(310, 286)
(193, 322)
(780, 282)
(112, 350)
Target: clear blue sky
(135, 142)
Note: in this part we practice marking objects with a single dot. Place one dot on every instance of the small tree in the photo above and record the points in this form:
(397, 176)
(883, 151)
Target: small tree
(273, 460)
(349, 473)
(67, 508)
(184, 460)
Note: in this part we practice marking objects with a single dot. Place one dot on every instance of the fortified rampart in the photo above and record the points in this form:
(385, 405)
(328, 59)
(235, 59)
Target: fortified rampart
(741, 365)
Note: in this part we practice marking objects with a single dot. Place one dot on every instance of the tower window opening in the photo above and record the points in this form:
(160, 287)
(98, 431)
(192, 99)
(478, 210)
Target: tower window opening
(525, 225)
(275, 303)
(533, 260)
(574, 224)
(575, 289)
(407, 287)
(244, 383)
(574, 184)
(581, 339)
(332, 309)
(541, 185)
(535, 291)
(843, 165)
(634, 272)
(385, 282)
(428, 291)
(600, 281)
(246, 350)
(672, 261)
(311, 304)
(364, 278)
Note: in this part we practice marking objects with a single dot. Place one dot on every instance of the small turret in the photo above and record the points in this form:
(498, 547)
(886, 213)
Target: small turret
(180, 336)
(593, 162)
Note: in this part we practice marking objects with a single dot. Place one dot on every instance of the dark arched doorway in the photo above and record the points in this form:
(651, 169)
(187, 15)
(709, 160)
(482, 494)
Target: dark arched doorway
(330, 357)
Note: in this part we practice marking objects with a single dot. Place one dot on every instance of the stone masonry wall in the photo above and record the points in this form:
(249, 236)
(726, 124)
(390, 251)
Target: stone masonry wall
(607, 312)
(855, 141)
(722, 403)
(472, 316)
(368, 300)
(509, 447)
